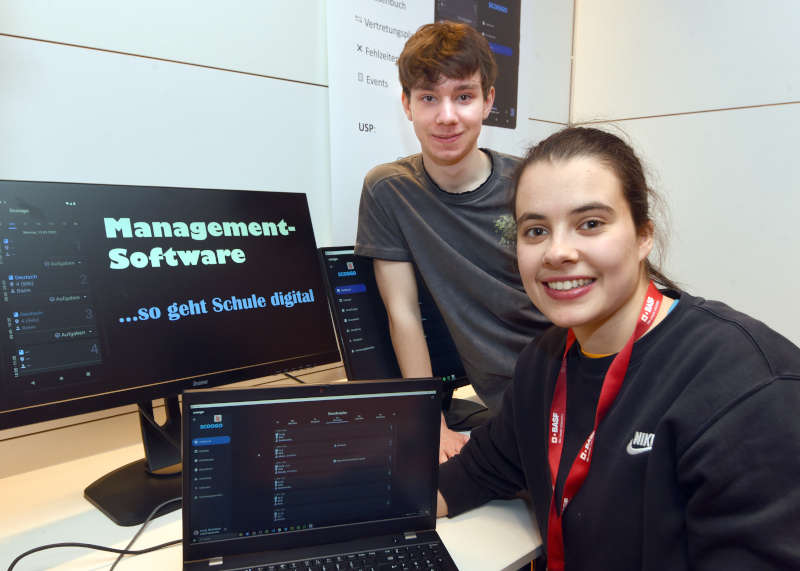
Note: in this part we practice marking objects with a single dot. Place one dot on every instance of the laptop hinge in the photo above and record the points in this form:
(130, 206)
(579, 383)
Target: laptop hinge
(215, 561)
(409, 535)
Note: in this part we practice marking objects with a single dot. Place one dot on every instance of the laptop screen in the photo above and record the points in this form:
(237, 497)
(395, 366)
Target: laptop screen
(362, 328)
(283, 467)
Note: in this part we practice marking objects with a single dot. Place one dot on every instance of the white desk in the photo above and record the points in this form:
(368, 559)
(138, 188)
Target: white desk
(45, 505)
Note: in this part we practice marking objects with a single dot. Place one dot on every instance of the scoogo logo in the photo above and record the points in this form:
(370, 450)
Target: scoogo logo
(211, 425)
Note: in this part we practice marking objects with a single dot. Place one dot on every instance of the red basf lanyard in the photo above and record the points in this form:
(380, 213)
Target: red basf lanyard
(558, 415)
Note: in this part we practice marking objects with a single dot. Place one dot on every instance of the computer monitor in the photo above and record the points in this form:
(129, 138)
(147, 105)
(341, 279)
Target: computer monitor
(114, 295)
(362, 326)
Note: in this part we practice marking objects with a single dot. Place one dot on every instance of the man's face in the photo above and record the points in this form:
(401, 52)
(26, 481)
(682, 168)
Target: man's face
(447, 117)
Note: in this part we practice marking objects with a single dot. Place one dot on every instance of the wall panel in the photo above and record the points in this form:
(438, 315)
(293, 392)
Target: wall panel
(732, 184)
(635, 59)
(72, 114)
(545, 71)
(282, 39)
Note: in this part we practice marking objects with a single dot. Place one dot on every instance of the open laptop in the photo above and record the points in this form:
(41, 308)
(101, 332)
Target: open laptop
(362, 331)
(312, 476)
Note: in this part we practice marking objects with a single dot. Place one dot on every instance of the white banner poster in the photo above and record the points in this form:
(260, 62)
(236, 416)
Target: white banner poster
(367, 123)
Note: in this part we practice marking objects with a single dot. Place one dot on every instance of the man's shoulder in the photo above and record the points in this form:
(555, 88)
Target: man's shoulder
(405, 168)
(503, 163)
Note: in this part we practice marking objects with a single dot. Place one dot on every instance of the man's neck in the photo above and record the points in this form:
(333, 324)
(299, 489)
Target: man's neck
(465, 175)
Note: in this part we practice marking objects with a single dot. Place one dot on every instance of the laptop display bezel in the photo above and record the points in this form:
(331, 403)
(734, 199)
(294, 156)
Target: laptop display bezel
(260, 543)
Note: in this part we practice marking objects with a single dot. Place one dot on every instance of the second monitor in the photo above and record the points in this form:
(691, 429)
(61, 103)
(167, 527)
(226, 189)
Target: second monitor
(362, 327)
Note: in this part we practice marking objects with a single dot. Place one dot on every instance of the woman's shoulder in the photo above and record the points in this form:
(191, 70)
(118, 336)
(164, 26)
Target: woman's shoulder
(708, 358)
(715, 328)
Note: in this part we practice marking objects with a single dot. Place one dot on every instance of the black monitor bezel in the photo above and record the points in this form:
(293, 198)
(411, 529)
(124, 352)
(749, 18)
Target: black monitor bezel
(156, 389)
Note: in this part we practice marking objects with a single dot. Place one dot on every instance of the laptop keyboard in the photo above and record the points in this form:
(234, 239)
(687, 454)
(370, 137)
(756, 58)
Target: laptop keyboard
(425, 556)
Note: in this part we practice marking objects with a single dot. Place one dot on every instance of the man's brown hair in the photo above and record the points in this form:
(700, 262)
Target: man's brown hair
(445, 50)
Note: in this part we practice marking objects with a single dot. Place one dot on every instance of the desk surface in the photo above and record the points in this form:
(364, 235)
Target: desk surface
(46, 505)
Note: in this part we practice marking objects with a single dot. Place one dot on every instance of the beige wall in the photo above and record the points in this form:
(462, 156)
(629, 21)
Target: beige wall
(709, 93)
(180, 93)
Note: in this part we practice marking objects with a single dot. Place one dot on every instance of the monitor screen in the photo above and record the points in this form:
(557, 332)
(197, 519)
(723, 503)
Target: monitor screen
(119, 294)
(498, 21)
(270, 468)
(362, 325)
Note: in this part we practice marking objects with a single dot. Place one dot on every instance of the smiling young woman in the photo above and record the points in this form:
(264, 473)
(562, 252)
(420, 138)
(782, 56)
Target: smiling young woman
(580, 255)
(644, 423)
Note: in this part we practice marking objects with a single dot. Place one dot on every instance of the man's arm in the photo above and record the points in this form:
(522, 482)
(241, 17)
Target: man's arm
(398, 288)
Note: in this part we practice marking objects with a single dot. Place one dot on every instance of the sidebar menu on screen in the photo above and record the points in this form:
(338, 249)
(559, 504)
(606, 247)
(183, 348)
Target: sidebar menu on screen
(50, 336)
(360, 317)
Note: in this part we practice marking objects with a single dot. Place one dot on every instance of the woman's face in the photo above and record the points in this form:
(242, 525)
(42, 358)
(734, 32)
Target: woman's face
(580, 256)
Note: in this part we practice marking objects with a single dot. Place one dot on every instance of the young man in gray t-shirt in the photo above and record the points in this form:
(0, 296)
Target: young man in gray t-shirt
(446, 211)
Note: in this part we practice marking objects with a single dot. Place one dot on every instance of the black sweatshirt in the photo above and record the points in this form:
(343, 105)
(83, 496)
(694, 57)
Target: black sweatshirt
(715, 393)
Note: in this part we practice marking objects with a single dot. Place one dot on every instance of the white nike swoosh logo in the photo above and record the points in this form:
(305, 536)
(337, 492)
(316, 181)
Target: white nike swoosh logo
(634, 451)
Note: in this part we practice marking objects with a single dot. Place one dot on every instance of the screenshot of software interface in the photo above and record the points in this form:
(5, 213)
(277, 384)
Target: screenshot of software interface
(325, 461)
(498, 21)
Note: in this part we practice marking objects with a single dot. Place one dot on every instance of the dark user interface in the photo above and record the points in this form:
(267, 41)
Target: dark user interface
(363, 326)
(360, 317)
(498, 21)
(262, 469)
(107, 289)
(50, 317)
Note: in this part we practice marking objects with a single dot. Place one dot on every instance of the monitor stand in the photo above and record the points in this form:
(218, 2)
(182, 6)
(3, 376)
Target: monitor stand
(128, 494)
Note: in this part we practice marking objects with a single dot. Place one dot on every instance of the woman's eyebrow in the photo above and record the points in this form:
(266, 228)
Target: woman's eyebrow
(592, 206)
(578, 210)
